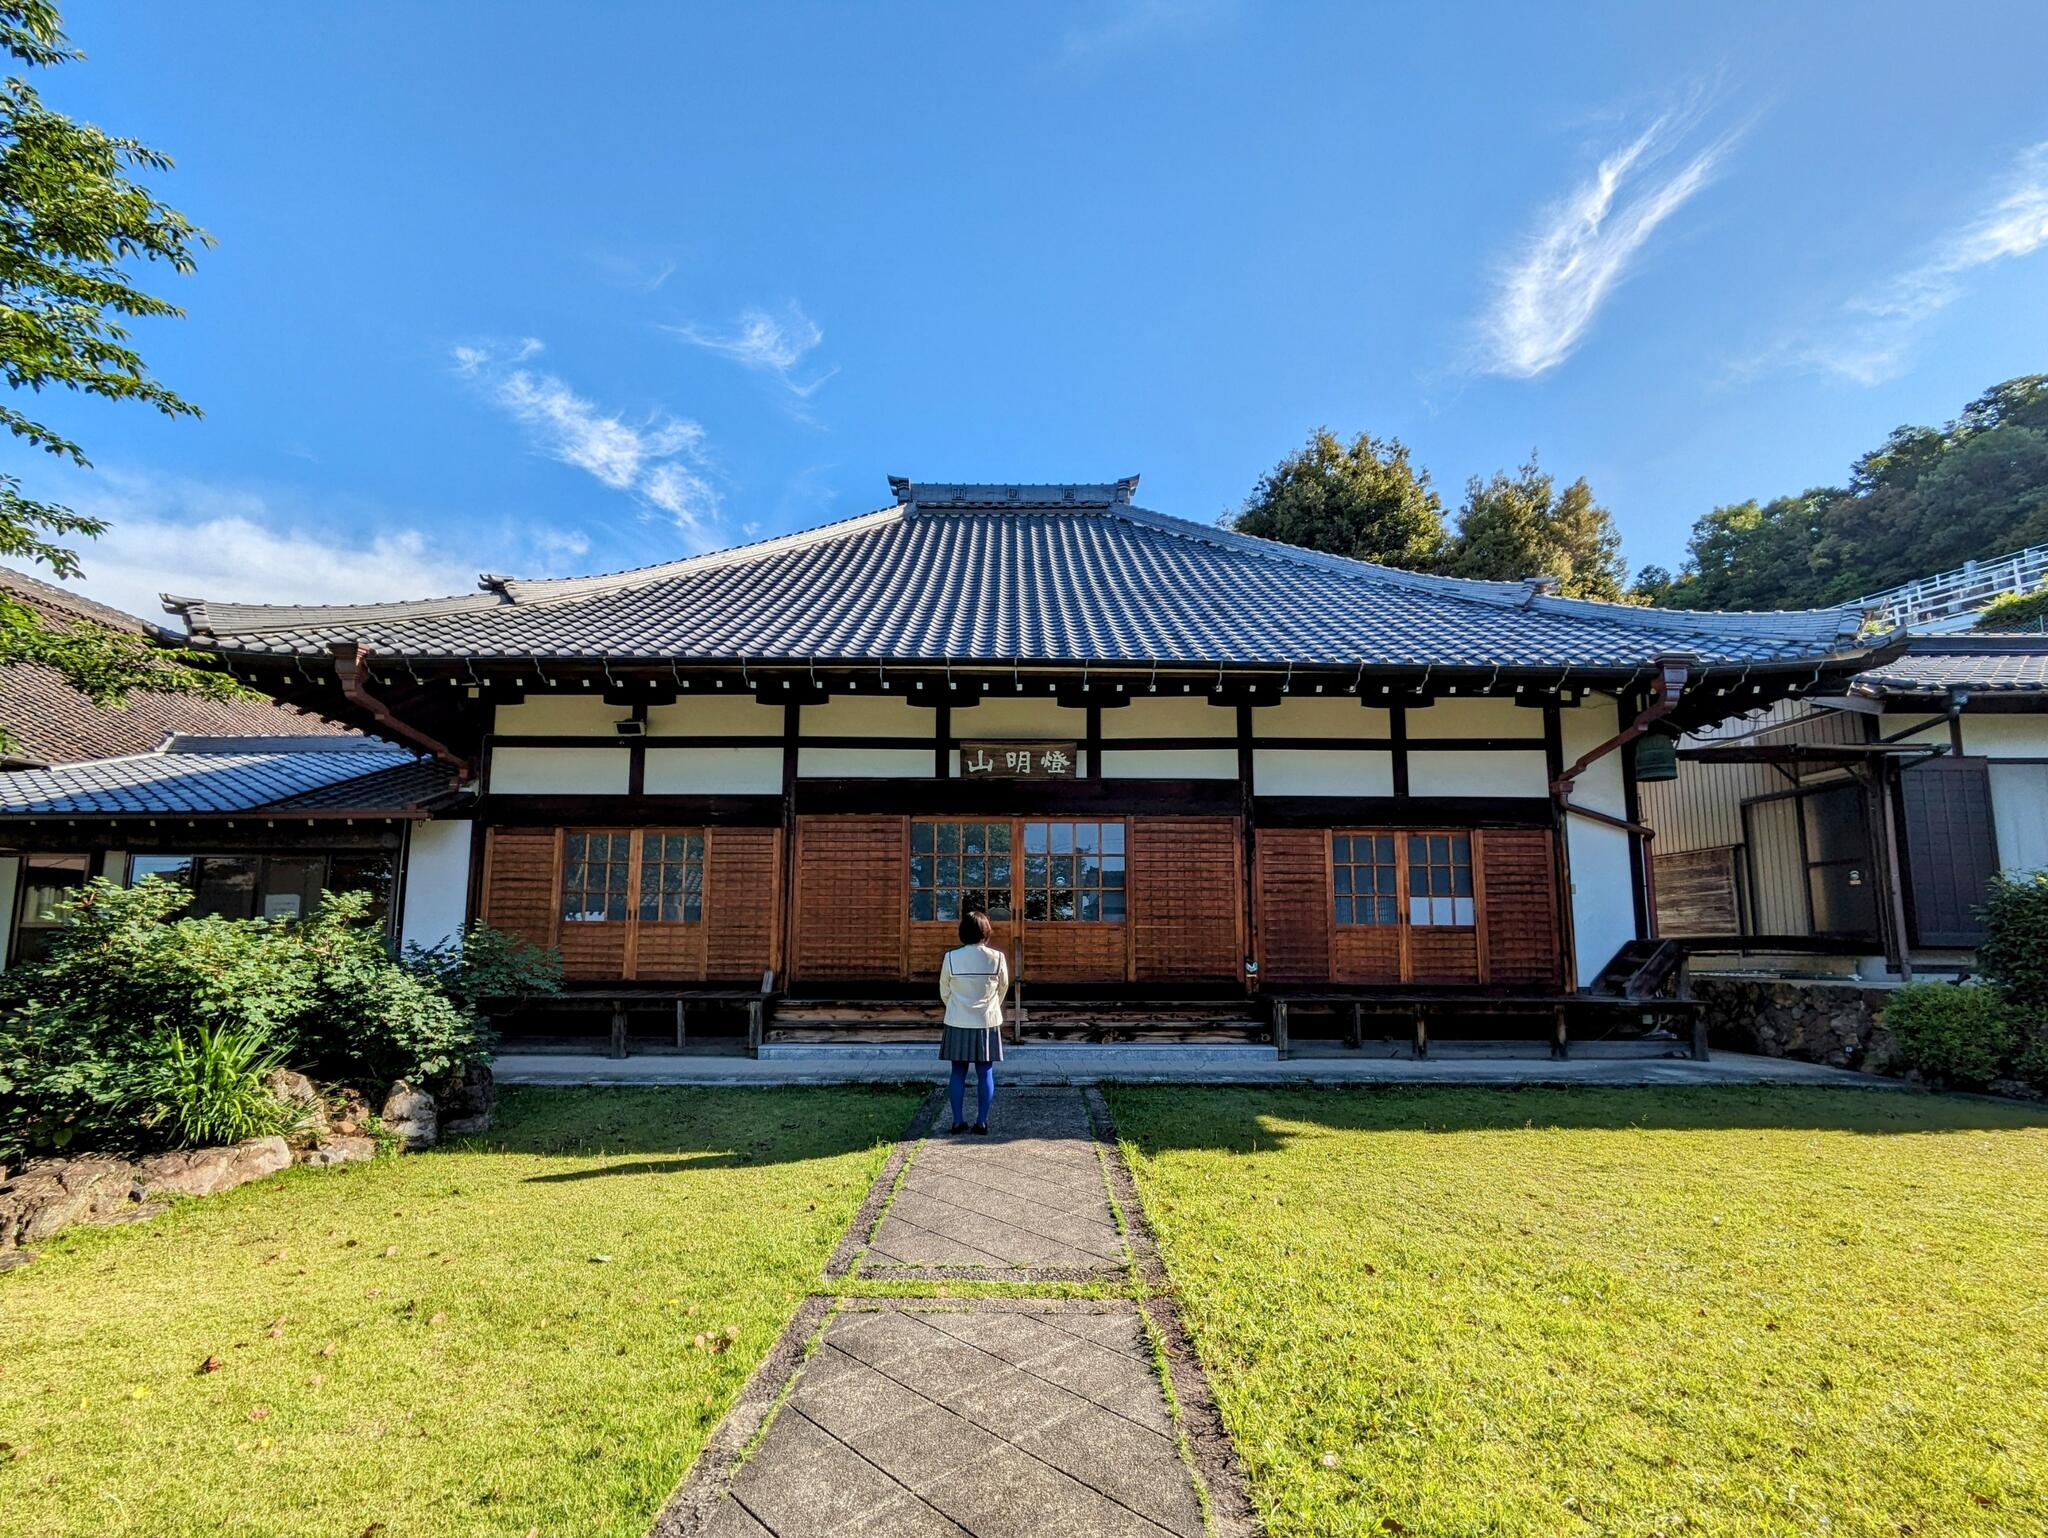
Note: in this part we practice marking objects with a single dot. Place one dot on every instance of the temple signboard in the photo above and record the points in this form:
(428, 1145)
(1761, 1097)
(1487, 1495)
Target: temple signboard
(1018, 760)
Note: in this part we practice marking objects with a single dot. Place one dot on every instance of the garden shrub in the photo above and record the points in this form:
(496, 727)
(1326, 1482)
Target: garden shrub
(2014, 959)
(1956, 1035)
(90, 1037)
(487, 966)
(207, 1087)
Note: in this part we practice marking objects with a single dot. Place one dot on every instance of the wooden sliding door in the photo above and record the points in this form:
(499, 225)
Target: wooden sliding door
(1425, 906)
(1078, 899)
(640, 904)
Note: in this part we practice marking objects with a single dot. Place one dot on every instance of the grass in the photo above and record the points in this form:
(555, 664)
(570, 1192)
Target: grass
(1667, 1311)
(497, 1337)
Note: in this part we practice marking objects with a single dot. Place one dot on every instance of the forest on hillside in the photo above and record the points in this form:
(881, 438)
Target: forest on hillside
(1924, 501)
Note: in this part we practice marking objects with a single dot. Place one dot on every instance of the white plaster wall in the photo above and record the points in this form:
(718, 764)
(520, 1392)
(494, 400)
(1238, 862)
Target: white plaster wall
(1168, 715)
(1312, 716)
(1603, 897)
(563, 771)
(1322, 772)
(10, 885)
(715, 715)
(883, 715)
(1452, 772)
(2014, 736)
(997, 719)
(864, 763)
(2019, 810)
(1476, 718)
(568, 715)
(1180, 764)
(713, 771)
(436, 882)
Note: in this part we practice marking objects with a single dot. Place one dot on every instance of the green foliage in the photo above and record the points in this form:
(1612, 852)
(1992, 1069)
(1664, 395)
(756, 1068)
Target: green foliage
(1926, 500)
(2015, 612)
(1363, 499)
(1956, 1035)
(1521, 525)
(71, 218)
(2014, 958)
(208, 1086)
(84, 1034)
(487, 965)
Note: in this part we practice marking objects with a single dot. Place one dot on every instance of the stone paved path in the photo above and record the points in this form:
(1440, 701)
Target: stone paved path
(1025, 1202)
(1013, 1417)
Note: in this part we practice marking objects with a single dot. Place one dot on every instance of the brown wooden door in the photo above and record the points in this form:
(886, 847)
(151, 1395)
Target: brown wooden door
(1073, 899)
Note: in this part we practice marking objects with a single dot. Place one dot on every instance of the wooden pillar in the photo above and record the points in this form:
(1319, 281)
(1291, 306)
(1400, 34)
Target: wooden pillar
(1560, 848)
(682, 1021)
(1357, 1024)
(1248, 843)
(792, 721)
(618, 1030)
(1560, 1042)
(1280, 1042)
(1418, 1045)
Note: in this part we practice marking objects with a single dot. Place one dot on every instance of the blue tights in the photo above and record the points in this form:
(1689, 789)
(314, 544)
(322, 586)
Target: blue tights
(984, 1090)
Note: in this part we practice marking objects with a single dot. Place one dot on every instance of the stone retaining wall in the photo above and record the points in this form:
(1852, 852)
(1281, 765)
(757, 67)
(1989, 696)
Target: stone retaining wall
(1812, 1020)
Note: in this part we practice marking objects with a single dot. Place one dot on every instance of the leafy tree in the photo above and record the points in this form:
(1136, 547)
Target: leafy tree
(1653, 585)
(1522, 525)
(1362, 499)
(70, 219)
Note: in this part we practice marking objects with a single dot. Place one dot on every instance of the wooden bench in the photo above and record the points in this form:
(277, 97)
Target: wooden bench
(1417, 1005)
(622, 999)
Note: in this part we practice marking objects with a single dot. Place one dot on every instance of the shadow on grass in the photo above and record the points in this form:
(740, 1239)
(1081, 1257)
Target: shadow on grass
(1253, 1119)
(667, 1129)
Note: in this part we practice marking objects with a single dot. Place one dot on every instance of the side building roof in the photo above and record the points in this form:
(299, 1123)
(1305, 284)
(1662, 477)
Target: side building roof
(1002, 574)
(213, 776)
(52, 723)
(1985, 664)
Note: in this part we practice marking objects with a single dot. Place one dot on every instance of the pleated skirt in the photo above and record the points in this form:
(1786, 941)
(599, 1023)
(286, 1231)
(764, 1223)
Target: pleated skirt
(963, 1044)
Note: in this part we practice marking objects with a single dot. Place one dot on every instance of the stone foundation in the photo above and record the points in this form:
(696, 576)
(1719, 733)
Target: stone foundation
(1814, 1021)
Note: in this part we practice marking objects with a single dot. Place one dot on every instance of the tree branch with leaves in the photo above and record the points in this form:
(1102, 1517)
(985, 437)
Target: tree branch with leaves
(72, 222)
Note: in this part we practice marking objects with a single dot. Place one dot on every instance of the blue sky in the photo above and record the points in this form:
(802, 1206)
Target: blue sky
(497, 292)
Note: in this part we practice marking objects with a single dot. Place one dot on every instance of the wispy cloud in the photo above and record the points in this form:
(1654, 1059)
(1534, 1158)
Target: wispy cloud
(1548, 293)
(660, 460)
(770, 344)
(197, 538)
(1133, 24)
(643, 273)
(1885, 322)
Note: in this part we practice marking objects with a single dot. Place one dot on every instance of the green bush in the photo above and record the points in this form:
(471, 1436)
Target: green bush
(1956, 1035)
(208, 1086)
(85, 1035)
(487, 965)
(2014, 959)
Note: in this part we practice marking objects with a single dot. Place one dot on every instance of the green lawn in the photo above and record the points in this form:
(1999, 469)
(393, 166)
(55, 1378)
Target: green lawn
(492, 1338)
(1649, 1312)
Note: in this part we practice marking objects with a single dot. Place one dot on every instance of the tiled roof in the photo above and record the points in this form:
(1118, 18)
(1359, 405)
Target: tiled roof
(1990, 663)
(1052, 574)
(215, 775)
(52, 723)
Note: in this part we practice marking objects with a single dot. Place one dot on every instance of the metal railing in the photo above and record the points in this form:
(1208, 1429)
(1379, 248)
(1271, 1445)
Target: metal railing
(1954, 598)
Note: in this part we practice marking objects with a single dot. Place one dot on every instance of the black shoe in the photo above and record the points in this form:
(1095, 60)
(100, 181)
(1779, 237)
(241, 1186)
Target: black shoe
(981, 1129)
(960, 1127)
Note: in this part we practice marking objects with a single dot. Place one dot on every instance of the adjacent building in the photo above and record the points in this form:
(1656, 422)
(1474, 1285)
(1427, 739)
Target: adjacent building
(1861, 823)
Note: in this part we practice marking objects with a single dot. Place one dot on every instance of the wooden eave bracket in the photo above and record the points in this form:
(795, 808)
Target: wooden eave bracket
(351, 670)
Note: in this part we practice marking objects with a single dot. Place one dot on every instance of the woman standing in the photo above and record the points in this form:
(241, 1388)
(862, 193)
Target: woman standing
(972, 982)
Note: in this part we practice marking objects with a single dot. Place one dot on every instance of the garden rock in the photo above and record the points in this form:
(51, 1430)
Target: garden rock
(339, 1148)
(467, 1100)
(297, 1091)
(409, 1115)
(207, 1171)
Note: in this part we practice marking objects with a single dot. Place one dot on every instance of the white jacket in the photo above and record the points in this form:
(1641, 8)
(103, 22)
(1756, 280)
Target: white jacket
(972, 982)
